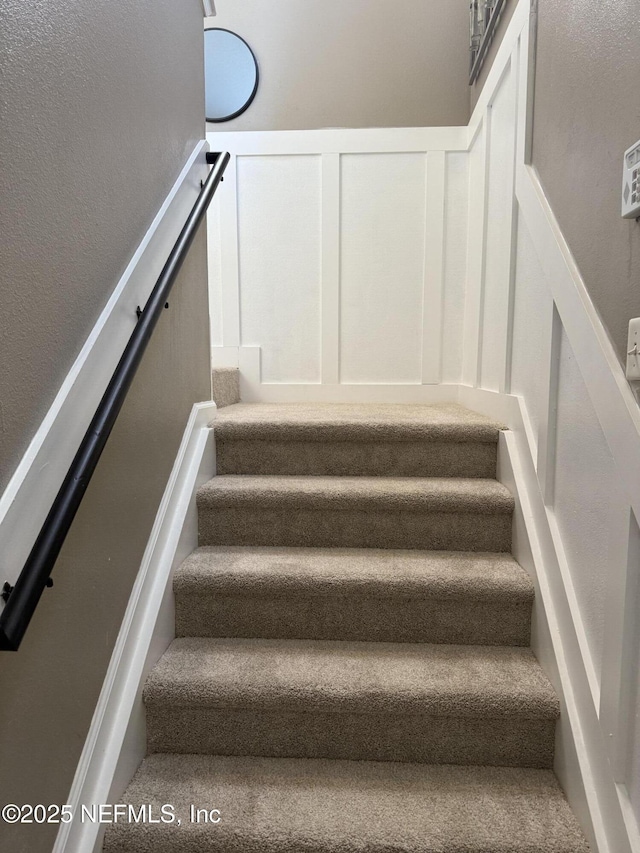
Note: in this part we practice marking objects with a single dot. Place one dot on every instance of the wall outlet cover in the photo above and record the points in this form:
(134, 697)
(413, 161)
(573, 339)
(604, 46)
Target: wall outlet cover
(633, 350)
(631, 182)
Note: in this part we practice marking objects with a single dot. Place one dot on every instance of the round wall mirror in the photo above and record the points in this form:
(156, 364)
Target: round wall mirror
(230, 74)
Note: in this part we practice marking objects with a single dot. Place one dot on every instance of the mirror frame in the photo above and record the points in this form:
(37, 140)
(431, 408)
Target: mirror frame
(247, 103)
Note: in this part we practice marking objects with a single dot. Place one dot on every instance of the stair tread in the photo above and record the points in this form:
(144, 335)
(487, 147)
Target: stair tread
(280, 572)
(353, 422)
(440, 494)
(272, 805)
(352, 677)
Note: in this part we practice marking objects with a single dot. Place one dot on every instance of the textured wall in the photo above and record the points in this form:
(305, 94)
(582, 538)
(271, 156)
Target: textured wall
(99, 112)
(587, 112)
(365, 63)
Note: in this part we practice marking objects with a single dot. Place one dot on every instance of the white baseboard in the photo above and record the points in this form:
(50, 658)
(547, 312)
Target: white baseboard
(302, 393)
(116, 742)
(28, 497)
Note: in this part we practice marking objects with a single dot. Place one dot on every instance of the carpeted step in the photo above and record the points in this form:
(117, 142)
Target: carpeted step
(356, 512)
(439, 704)
(353, 594)
(289, 806)
(355, 440)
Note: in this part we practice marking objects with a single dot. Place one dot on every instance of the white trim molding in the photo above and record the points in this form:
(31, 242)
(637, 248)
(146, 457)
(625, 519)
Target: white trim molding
(116, 742)
(341, 140)
(31, 491)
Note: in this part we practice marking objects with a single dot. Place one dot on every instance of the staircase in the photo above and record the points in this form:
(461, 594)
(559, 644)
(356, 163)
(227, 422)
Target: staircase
(351, 672)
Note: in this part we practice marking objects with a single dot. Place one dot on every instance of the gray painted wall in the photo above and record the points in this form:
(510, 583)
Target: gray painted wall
(364, 63)
(587, 112)
(99, 111)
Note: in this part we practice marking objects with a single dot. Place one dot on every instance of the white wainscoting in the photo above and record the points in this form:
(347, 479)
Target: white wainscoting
(408, 265)
(326, 243)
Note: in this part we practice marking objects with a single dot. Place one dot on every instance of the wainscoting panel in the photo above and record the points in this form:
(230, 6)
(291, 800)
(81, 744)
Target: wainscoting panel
(382, 258)
(586, 498)
(280, 251)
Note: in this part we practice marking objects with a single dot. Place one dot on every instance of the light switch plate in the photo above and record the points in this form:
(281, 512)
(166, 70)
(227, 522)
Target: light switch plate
(633, 350)
(631, 182)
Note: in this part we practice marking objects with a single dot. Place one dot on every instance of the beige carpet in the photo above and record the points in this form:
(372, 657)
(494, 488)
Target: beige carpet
(352, 671)
(303, 806)
(366, 440)
(225, 385)
(356, 512)
(354, 594)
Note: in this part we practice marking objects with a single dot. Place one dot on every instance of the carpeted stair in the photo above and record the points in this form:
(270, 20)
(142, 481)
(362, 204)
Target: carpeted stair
(351, 672)
(354, 594)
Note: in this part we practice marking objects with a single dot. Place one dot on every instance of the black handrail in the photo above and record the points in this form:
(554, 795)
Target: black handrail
(22, 599)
